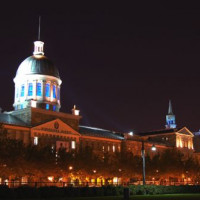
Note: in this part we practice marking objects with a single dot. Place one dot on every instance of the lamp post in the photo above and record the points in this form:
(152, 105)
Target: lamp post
(153, 148)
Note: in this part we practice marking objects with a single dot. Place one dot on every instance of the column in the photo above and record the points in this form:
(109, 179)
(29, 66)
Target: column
(43, 89)
(51, 91)
(34, 89)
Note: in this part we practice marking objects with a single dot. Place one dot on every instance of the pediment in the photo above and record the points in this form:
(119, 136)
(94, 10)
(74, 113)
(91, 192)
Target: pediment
(56, 126)
(185, 131)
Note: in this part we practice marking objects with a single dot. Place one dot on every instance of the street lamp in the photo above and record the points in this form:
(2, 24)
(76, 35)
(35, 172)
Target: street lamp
(153, 148)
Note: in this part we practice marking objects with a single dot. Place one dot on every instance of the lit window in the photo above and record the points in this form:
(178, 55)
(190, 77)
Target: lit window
(54, 91)
(39, 89)
(119, 148)
(35, 141)
(47, 106)
(30, 89)
(73, 144)
(22, 91)
(108, 148)
(113, 148)
(54, 107)
(47, 90)
(103, 148)
(21, 106)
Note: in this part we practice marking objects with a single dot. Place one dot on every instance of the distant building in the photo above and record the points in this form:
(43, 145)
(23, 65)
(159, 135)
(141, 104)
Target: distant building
(170, 118)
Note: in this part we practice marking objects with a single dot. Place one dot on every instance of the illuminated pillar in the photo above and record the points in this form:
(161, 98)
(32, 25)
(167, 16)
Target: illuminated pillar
(34, 89)
(43, 89)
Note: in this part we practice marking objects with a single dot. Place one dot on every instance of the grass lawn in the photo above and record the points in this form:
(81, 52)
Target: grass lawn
(145, 197)
(134, 197)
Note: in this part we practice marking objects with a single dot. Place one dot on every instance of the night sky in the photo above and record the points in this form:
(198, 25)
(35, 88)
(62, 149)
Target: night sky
(119, 63)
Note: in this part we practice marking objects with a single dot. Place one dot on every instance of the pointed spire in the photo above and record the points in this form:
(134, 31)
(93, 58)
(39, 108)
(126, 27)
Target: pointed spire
(39, 28)
(170, 108)
(38, 45)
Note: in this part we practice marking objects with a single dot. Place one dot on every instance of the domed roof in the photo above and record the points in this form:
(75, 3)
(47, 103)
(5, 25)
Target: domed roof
(37, 64)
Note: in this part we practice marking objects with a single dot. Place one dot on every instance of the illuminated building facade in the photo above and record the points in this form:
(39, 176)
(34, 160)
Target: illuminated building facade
(36, 118)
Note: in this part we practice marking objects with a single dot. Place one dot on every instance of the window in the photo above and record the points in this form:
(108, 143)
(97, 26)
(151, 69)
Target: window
(35, 141)
(21, 106)
(39, 89)
(108, 148)
(119, 148)
(30, 89)
(113, 148)
(22, 91)
(47, 106)
(54, 91)
(47, 90)
(73, 144)
(54, 107)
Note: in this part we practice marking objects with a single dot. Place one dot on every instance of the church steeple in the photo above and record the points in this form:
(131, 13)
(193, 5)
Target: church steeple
(170, 108)
(170, 117)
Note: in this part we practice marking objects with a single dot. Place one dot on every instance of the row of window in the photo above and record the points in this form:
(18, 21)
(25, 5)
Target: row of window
(39, 90)
(48, 106)
(73, 143)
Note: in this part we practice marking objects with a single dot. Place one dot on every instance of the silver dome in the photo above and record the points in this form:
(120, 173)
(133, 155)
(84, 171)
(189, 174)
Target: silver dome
(37, 65)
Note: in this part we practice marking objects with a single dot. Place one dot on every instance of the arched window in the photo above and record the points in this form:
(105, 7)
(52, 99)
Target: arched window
(30, 89)
(47, 91)
(22, 91)
(39, 89)
(54, 91)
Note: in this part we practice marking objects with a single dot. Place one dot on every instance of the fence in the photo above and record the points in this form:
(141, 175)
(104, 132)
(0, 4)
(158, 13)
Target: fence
(14, 184)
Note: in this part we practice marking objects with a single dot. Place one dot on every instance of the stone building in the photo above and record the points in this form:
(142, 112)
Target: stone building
(36, 118)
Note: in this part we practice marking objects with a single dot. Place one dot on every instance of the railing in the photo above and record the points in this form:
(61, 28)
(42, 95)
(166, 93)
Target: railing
(14, 184)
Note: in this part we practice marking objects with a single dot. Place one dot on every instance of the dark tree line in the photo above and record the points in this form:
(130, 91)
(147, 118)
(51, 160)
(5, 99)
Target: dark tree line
(38, 162)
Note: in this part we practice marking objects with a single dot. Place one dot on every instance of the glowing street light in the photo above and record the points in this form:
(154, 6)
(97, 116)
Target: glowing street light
(153, 148)
(70, 167)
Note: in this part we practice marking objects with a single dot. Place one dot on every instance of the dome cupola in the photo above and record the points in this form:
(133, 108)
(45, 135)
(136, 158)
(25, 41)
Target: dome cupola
(37, 82)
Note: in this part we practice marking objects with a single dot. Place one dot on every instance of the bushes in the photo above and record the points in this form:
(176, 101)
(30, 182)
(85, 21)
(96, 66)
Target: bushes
(25, 192)
(159, 189)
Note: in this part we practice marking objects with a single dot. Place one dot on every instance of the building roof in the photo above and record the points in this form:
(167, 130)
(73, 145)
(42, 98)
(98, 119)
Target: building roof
(10, 119)
(37, 64)
(157, 132)
(97, 132)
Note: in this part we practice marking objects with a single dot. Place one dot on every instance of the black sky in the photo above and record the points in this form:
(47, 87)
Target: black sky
(119, 63)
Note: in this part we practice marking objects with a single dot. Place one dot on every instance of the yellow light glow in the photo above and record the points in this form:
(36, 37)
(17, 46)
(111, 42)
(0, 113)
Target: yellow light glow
(60, 179)
(181, 143)
(115, 180)
(70, 167)
(6, 182)
(50, 178)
